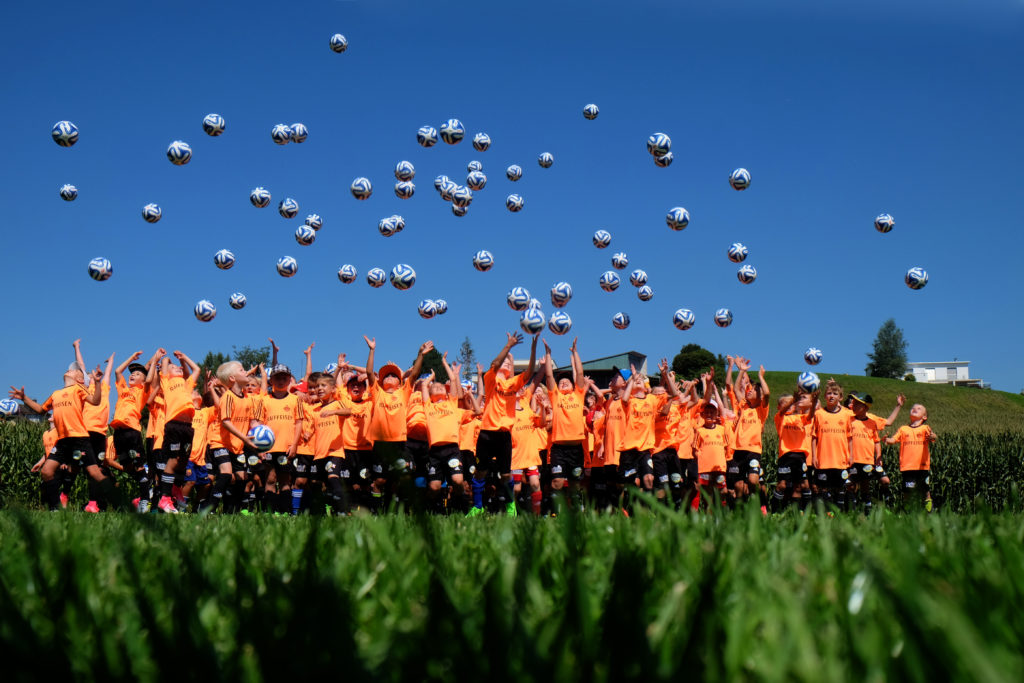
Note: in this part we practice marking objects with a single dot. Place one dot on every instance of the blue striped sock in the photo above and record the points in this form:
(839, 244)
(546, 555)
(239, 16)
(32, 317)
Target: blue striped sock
(478, 493)
(296, 500)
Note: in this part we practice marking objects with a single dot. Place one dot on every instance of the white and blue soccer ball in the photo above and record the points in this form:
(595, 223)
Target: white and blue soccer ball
(100, 269)
(405, 189)
(620, 320)
(330, 368)
(602, 238)
(483, 260)
(64, 133)
(534, 303)
(387, 226)
(399, 223)
(8, 407)
(281, 134)
(404, 170)
(68, 193)
(916, 277)
(561, 293)
(347, 273)
(514, 172)
(474, 166)
(546, 159)
(441, 180)
(476, 180)
(287, 266)
(514, 203)
(205, 311)
(740, 179)
(260, 198)
(442, 306)
(237, 301)
(808, 381)
(518, 298)
(560, 322)
(683, 319)
(403, 276)
(619, 260)
(659, 144)
(314, 221)
(737, 252)
(452, 131)
(638, 278)
(224, 259)
(376, 277)
(462, 196)
(723, 317)
(339, 43)
(884, 222)
(677, 218)
(179, 152)
(532, 321)
(427, 309)
(262, 437)
(459, 211)
(305, 235)
(299, 132)
(609, 281)
(426, 136)
(361, 188)
(288, 208)
(447, 189)
(481, 141)
(747, 274)
(664, 161)
(214, 124)
(812, 356)
(152, 213)
(590, 112)
(645, 293)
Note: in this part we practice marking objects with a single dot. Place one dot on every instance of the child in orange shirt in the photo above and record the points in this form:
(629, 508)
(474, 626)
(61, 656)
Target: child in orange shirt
(568, 423)
(750, 402)
(831, 439)
(712, 444)
(793, 418)
(282, 412)
(915, 455)
(229, 442)
(866, 452)
(131, 397)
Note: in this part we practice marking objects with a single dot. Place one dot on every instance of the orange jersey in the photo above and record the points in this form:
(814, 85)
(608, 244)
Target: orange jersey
(468, 433)
(281, 414)
(665, 426)
(595, 452)
(685, 431)
(416, 419)
(639, 423)
(177, 392)
(915, 453)
(833, 432)
(500, 400)
(238, 410)
(526, 444)
(794, 431)
(67, 405)
(96, 417)
(308, 434)
(327, 440)
(128, 409)
(389, 421)
(614, 428)
(568, 420)
(443, 420)
(355, 428)
(201, 420)
(865, 436)
(49, 442)
(155, 423)
(749, 425)
(711, 447)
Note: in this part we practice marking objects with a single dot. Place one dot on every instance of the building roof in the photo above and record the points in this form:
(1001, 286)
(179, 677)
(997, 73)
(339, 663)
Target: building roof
(940, 364)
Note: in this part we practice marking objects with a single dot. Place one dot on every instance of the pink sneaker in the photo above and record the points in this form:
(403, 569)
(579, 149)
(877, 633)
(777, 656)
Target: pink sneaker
(92, 507)
(764, 511)
(167, 505)
(63, 500)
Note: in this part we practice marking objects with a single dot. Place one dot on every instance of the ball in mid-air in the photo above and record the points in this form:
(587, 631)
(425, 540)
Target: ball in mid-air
(442, 306)
(884, 222)
(462, 196)
(299, 132)
(609, 281)
(532, 321)
(386, 226)
(659, 144)
(347, 273)
(683, 319)
(474, 166)
(452, 131)
(68, 193)
(620, 320)
(916, 277)
(8, 407)
(546, 159)
(281, 134)
(237, 301)
(287, 266)
(224, 259)
(514, 203)
(447, 188)
(481, 142)
(560, 322)
(746, 274)
(590, 112)
(483, 260)
(514, 172)
(399, 223)
(808, 381)
(314, 221)
(339, 43)
(723, 317)
(288, 208)
(737, 252)
(361, 188)
(645, 293)
(214, 124)
(260, 198)
(305, 235)
(664, 161)
(405, 189)
(638, 278)
(376, 277)
(179, 153)
(152, 213)
(262, 437)
(677, 218)
(100, 269)
(602, 238)
(561, 293)
(459, 211)
(64, 133)
(812, 356)
(205, 311)
(518, 298)
(619, 260)
(427, 308)
(403, 276)
(404, 170)
(426, 136)
(739, 179)
(476, 180)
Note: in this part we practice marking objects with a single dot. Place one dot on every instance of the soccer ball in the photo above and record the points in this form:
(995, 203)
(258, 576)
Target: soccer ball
(224, 259)
(288, 208)
(427, 308)
(620, 321)
(399, 223)
(462, 196)
(481, 141)
(737, 252)
(262, 438)
(514, 202)
(376, 277)
(452, 131)
(427, 136)
(514, 172)
(645, 293)
(100, 269)
(740, 179)
(723, 317)
(214, 124)
(179, 153)
(439, 181)
(404, 189)
(474, 166)
(339, 43)
(151, 213)
(281, 134)
(560, 322)
(747, 274)
(602, 238)
(8, 407)
(361, 188)
(64, 133)
(609, 281)
(683, 319)
(534, 303)
(314, 221)
(205, 311)
(299, 132)
(518, 298)
(305, 235)
(403, 276)
(659, 144)
(347, 273)
(442, 306)
(476, 180)
(677, 218)
(808, 381)
(916, 277)
(561, 293)
(260, 198)
(68, 193)
(459, 210)
(590, 112)
(812, 356)
(884, 222)
(619, 260)
(330, 368)
(387, 226)
(287, 266)
(447, 189)
(545, 160)
(237, 301)
(532, 321)
(638, 278)
(404, 170)
(483, 260)
(664, 161)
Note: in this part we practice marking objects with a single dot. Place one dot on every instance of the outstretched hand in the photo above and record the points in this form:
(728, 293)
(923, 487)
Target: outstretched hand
(372, 343)
(514, 339)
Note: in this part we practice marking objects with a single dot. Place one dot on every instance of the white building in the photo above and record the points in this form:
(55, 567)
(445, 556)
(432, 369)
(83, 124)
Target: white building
(955, 372)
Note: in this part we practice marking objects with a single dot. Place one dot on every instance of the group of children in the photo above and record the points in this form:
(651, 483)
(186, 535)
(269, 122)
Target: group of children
(367, 438)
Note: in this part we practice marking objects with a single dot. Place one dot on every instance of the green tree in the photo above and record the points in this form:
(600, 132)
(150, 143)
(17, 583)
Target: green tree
(888, 357)
(467, 357)
(250, 356)
(211, 362)
(694, 359)
(432, 361)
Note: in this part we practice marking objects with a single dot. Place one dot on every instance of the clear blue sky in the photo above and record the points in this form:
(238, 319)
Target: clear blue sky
(839, 111)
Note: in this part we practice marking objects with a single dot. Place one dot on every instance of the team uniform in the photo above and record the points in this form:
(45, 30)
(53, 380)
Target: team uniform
(712, 444)
(128, 432)
(444, 419)
(862, 454)
(388, 429)
(667, 472)
(746, 458)
(494, 444)
(638, 436)
(281, 415)
(794, 431)
(95, 418)
(567, 450)
(355, 438)
(417, 440)
(832, 431)
(915, 458)
(177, 437)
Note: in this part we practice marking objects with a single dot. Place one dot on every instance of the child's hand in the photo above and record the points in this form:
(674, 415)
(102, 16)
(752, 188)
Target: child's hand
(571, 348)
(96, 374)
(371, 343)
(273, 346)
(17, 394)
(76, 343)
(426, 347)
(309, 349)
(514, 338)
(901, 399)
(135, 356)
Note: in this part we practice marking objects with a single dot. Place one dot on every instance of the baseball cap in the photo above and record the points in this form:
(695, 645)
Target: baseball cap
(862, 398)
(137, 367)
(280, 369)
(623, 373)
(390, 368)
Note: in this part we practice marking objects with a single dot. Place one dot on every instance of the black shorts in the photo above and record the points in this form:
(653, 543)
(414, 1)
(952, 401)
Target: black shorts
(279, 462)
(391, 455)
(793, 469)
(362, 466)
(749, 462)
(634, 463)
(177, 439)
(494, 451)
(914, 481)
(831, 478)
(688, 468)
(75, 450)
(335, 466)
(219, 456)
(302, 465)
(468, 461)
(862, 472)
(666, 468)
(128, 446)
(99, 446)
(566, 461)
(443, 462)
(416, 456)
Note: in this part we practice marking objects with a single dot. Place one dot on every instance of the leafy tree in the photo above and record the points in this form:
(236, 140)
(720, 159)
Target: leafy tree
(467, 357)
(909, 377)
(211, 362)
(250, 356)
(694, 359)
(432, 361)
(888, 357)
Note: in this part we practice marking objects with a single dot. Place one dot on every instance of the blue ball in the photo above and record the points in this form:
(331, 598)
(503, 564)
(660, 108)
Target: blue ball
(68, 192)
(737, 252)
(659, 144)
(330, 368)
(808, 381)
(64, 133)
(8, 407)
(405, 189)
(237, 301)
(476, 180)
(442, 306)
(404, 170)
(287, 266)
(305, 235)
(347, 273)
(620, 321)
(812, 356)
(427, 136)
(532, 321)
(224, 259)
(474, 166)
(214, 124)
(403, 276)
(609, 281)
(561, 293)
(916, 277)
(747, 274)
(664, 161)
(560, 322)
(740, 179)
(514, 172)
(387, 226)
(281, 134)
(462, 196)
(205, 311)
(399, 223)
(376, 277)
(602, 238)
(483, 260)
(151, 213)
(427, 309)
(262, 437)
(546, 159)
(447, 189)
(260, 198)
(619, 260)
(514, 202)
(645, 293)
(100, 269)
(638, 278)
(452, 131)
(677, 218)
(459, 210)
(339, 43)
(299, 132)
(481, 141)
(314, 221)
(179, 153)
(884, 222)
(723, 317)
(361, 188)
(683, 319)
(590, 112)
(518, 298)
(288, 208)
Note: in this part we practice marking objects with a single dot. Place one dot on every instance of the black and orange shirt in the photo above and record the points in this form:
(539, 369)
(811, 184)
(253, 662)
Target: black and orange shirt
(794, 431)
(749, 426)
(177, 391)
(614, 428)
(128, 409)
(568, 423)
(685, 430)
(915, 453)
(865, 436)
(281, 414)
(355, 428)
(444, 418)
(201, 420)
(96, 416)
(639, 422)
(239, 411)
(389, 421)
(526, 443)
(500, 400)
(50, 441)
(416, 419)
(665, 427)
(469, 431)
(67, 405)
(833, 432)
(711, 447)
(327, 437)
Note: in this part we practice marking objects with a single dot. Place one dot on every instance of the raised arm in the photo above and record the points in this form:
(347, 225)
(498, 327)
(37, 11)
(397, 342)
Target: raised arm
(371, 344)
(533, 355)
(425, 388)
(309, 361)
(514, 338)
(900, 400)
(577, 365)
(764, 384)
(730, 363)
(97, 389)
(453, 377)
(154, 367)
(417, 365)
(108, 370)
(193, 369)
(273, 352)
(128, 361)
(19, 395)
(668, 379)
(627, 393)
(549, 373)
(480, 381)
(77, 344)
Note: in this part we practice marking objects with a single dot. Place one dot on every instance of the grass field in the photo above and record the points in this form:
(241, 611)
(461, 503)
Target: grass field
(656, 597)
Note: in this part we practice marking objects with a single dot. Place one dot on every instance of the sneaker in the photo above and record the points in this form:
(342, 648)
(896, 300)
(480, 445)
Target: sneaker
(144, 506)
(182, 505)
(764, 511)
(475, 512)
(167, 505)
(511, 510)
(92, 507)
(135, 503)
(245, 512)
(63, 500)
